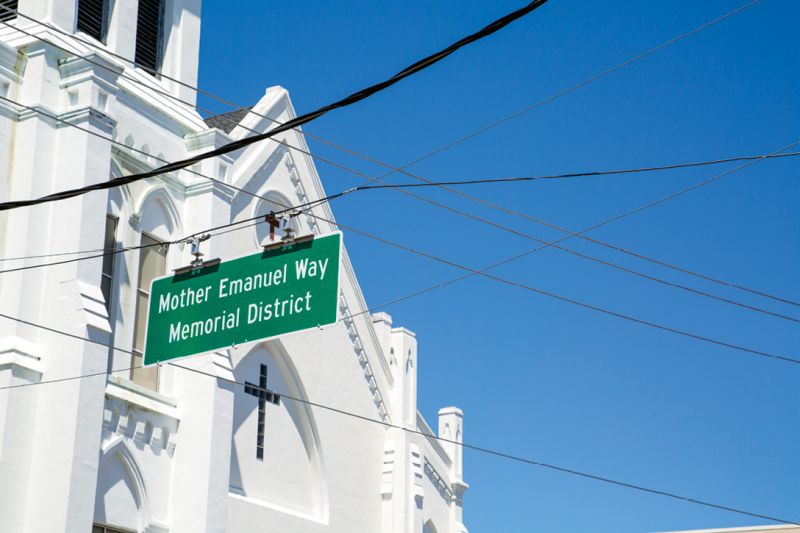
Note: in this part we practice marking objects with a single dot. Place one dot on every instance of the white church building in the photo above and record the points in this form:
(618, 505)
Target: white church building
(164, 449)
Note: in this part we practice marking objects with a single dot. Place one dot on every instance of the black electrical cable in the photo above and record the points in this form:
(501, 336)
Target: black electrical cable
(444, 185)
(483, 272)
(571, 89)
(465, 214)
(533, 289)
(384, 423)
(355, 189)
(238, 107)
(293, 123)
(590, 173)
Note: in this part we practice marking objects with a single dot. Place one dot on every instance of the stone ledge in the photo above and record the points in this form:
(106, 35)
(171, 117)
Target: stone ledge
(15, 351)
(128, 391)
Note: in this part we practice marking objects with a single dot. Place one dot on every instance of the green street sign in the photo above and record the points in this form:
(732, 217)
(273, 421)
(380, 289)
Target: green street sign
(250, 298)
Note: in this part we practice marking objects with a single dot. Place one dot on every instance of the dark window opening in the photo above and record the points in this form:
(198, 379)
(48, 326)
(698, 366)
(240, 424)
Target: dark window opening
(107, 275)
(92, 18)
(8, 9)
(150, 34)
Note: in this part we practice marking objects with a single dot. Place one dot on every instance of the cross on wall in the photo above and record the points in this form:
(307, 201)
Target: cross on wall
(264, 395)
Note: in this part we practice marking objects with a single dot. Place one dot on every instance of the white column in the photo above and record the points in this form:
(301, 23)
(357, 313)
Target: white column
(121, 37)
(182, 48)
(66, 424)
(62, 13)
(402, 492)
(451, 427)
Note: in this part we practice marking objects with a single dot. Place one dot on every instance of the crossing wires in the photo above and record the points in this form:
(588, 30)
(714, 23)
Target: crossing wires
(447, 185)
(389, 425)
(357, 96)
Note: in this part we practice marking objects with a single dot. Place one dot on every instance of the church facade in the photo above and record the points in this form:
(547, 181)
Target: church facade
(92, 441)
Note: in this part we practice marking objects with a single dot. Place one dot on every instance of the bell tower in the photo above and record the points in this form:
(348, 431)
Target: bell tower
(161, 36)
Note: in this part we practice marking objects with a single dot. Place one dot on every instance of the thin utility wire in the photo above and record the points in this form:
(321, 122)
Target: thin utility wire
(520, 285)
(428, 184)
(518, 179)
(581, 234)
(362, 94)
(441, 185)
(437, 204)
(387, 424)
(698, 292)
(483, 272)
(237, 107)
(572, 88)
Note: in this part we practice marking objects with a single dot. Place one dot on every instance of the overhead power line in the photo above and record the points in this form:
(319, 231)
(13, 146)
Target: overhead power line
(293, 123)
(437, 204)
(550, 294)
(306, 133)
(410, 185)
(750, 160)
(572, 88)
(441, 184)
(134, 80)
(480, 449)
(483, 272)
(422, 184)
(520, 285)
(590, 173)
(638, 209)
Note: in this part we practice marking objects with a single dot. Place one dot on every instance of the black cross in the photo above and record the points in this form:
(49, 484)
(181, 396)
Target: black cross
(264, 395)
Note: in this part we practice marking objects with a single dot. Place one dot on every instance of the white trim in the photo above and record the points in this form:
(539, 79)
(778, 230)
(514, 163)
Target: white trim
(130, 392)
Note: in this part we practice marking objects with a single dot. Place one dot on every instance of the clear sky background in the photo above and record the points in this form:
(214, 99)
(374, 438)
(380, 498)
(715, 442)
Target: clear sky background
(538, 377)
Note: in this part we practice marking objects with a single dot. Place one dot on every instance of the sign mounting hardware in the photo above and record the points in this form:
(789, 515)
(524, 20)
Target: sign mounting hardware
(197, 263)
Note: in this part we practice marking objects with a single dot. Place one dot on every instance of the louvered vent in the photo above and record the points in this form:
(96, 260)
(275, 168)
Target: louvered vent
(149, 32)
(8, 4)
(92, 18)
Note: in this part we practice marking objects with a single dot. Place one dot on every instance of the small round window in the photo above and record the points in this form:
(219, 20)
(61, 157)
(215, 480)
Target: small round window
(276, 203)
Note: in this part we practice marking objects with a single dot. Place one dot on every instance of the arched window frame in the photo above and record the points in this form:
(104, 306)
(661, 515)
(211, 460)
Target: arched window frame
(155, 215)
(273, 200)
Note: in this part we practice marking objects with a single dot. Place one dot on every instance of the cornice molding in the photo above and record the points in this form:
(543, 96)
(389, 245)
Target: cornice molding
(362, 356)
(66, 119)
(95, 67)
(21, 353)
(438, 481)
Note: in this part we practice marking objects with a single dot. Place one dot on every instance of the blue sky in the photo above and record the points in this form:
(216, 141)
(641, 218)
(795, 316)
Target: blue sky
(537, 377)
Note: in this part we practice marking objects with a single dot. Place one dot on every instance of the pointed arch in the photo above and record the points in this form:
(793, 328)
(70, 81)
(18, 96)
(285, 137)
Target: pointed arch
(158, 197)
(429, 527)
(292, 440)
(118, 471)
